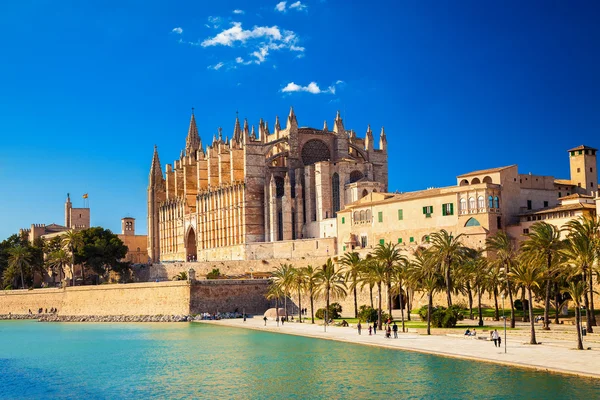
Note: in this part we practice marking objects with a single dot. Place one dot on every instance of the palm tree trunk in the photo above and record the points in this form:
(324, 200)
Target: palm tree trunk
(408, 303)
(389, 296)
(547, 306)
(299, 305)
(277, 310)
(590, 310)
(312, 308)
(588, 322)
(285, 305)
(479, 312)
(429, 307)
(379, 307)
(371, 295)
(401, 308)
(327, 307)
(556, 303)
(525, 314)
(496, 309)
(532, 340)
(512, 306)
(578, 325)
(355, 302)
(470, 300)
(448, 286)
(22, 280)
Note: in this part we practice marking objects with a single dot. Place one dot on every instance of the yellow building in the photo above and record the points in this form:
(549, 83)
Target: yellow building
(137, 250)
(481, 203)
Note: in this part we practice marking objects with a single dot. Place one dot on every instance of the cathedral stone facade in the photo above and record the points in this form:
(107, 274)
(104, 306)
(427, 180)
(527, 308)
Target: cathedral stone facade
(260, 194)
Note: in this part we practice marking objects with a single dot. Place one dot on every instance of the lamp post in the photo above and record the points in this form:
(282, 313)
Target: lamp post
(504, 318)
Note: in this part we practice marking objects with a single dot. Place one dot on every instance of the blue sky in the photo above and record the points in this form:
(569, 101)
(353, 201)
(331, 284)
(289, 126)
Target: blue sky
(88, 88)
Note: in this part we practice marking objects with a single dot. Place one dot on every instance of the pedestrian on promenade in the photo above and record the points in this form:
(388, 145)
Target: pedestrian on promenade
(358, 326)
(495, 337)
(499, 340)
(375, 328)
(244, 317)
(369, 330)
(265, 318)
(395, 329)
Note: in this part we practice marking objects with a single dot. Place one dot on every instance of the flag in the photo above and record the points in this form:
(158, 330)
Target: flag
(85, 195)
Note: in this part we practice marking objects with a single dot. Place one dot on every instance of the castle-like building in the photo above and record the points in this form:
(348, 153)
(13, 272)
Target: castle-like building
(258, 194)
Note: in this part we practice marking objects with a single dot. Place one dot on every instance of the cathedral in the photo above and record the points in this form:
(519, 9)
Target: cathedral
(260, 194)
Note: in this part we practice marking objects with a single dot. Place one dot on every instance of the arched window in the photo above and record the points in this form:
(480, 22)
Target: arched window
(362, 215)
(480, 202)
(335, 190)
(472, 222)
(475, 181)
(368, 215)
(464, 182)
(356, 216)
(487, 179)
(496, 202)
(472, 203)
(355, 176)
(490, 202)
(314, 151)
(364, 192)
(463, 204)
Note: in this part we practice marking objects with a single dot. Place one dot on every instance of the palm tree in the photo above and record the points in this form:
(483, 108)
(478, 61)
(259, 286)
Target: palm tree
(299, 283)
(398, 278)
(542, 248)
(577, 289)
(448, 250)
(353, 265)
(330, 283)
(72, 241)
(283, 277)
(311, 275)
(501, 245)
(475, 270)
(19, 258)
(276, 293)
(530, 275)
(424, 275)
(57, 260)
(391, 258)
(582, 248)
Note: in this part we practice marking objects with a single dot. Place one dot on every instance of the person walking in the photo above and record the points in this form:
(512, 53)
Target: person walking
(265, 318)
(495, 337)
(370, 330)
(395, 329)
(359, 327)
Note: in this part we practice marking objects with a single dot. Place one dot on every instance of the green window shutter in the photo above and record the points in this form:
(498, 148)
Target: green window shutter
(382, 241)
(344, 248)
(451, 208)
(343, 220)
(424, 210)
(399, 240)
(380, 216)
(400, 216)
(443, 209)
(412, 239)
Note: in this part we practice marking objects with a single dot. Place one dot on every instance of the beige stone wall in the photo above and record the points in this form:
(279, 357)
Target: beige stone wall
(129, 299)
(229, 296)
(137, 250)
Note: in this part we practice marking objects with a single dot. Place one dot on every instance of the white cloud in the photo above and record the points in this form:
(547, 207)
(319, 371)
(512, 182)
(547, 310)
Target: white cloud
(217, 66)
(281, 6)
(214, 22)
(177, 30)
(239, 60)
(239, 11)
(310, 88)
(298, 6)
(261, 39)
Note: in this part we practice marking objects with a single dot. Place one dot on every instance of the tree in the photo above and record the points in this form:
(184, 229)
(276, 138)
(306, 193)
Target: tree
(529, 274)
(57, 260)
(311, 275)
(214, 274)
(284, 276)
(390, 257)
(275, 293)
(353, 265)
(398, 278)
(101, 251)
(501, 245)
(375, 274)
(19, 259)
(424, 274)
(330, 283)
(299, 283)
(448, 250)
(577, 289)
(542, 247)
(582, 248)
(72, 242)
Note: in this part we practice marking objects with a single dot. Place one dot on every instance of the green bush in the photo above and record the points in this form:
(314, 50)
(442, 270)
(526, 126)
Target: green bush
(214, 274)
(442, 317)
(369, 314)
(335, 310)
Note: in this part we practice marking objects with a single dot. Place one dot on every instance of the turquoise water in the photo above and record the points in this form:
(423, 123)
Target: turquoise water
(180, 360)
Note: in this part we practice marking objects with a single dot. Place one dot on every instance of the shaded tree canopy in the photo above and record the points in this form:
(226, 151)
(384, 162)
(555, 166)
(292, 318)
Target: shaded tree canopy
(101, 250)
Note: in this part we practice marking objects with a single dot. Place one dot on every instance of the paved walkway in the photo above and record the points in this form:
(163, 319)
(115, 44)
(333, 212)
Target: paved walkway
(553, 355)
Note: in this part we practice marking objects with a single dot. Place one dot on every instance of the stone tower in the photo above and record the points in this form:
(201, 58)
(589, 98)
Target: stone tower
(584, 174)
(68, 207)
(156, 195)
(128, 226)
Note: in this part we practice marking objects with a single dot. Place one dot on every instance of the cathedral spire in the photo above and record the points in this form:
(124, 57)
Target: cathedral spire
(382, 140)
(192, 142)
(155, 169)
(291, 120)
(277, 124)
(338, 125)
(237, 130)
(253, 134)
(325, 127)
(369, 139)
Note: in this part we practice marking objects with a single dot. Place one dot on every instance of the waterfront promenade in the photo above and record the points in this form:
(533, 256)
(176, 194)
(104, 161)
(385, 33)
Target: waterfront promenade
(556, 354)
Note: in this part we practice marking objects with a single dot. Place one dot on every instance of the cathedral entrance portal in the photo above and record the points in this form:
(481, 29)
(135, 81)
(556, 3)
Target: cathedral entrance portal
(190, 246)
